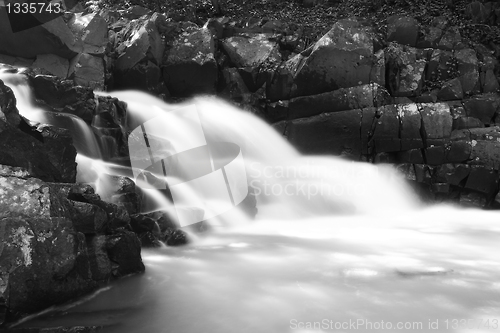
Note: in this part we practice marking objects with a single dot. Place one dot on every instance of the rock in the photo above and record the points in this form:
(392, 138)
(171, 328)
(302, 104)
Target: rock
(53, 64)
(468, 70)
(88, 218)
(189, 65)
(138, 44)
(435, 155)
(27, 150)
(472, 199)
(467, 122)
(234, 86)
(405, 71)
(100, 265)
(482, 180)
(177, 237)
(485, 153)
(359, 97)
(478, 12)
(410, 126)
(336, 133)
(121, 191)
(451, 39)
(403, 30)
(342, 58)
(386, 130)
(451, 90)
(124, 250)
(43, 262)
(489, 82)
(60, 151)
(63, 96)
(145, 75)
(44, 259)
(442, 66)
(437, 120)
(91, 32)
(88, 71)
(413, 156)
(458, 152)
(482, 107)
(251, 50)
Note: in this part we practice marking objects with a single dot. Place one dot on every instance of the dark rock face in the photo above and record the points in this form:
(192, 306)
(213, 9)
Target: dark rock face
(53, 248)
(47, 152)
(189, 65)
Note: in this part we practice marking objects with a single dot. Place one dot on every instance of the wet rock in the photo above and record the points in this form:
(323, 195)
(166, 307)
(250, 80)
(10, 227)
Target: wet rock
(468, 71)
(482, 180)
(482, 107)
(88, 71)
(251, 50)
(121, 191)
(451, 90)
(124, 251)
(53, 64)
(451, 39)
(145, 75)
(472, 199)
(342, 58)
(88, 218)
(91, 33)
(44, 258)
(467, 122)
(63, 96)
(437, 120)
(435, 155)
(189, 65)
(177, 237)
(478, 12)
(403, 30)
(100, 265)
(442, 66)
(410, 126)
(43, 262)
(413, 156)
(137, 44)
(359, 97)
(386, 129)
(485, 153)
(489, 81)
(405, 70)
(147, 229)
(336, 133)
(234, 86)
(458, 151)
(280, 87)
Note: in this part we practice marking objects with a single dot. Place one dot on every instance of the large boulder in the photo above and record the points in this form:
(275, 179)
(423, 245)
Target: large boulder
(189, 66)
(250, 50)
(342, 58)
(54, 249)
(139, 46)
(46, 151)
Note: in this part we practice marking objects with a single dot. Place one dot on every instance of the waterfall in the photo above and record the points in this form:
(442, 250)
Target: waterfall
(336, 245)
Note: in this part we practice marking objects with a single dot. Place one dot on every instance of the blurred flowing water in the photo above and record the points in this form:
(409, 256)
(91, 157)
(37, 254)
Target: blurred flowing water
(335, 246)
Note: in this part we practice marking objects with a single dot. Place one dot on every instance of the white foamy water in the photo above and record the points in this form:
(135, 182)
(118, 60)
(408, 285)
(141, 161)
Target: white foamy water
(336, 246)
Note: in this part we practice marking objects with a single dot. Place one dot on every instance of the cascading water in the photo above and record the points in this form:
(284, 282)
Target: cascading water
(335, 246)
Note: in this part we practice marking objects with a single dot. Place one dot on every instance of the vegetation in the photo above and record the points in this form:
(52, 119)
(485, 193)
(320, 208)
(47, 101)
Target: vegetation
(317, 18)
